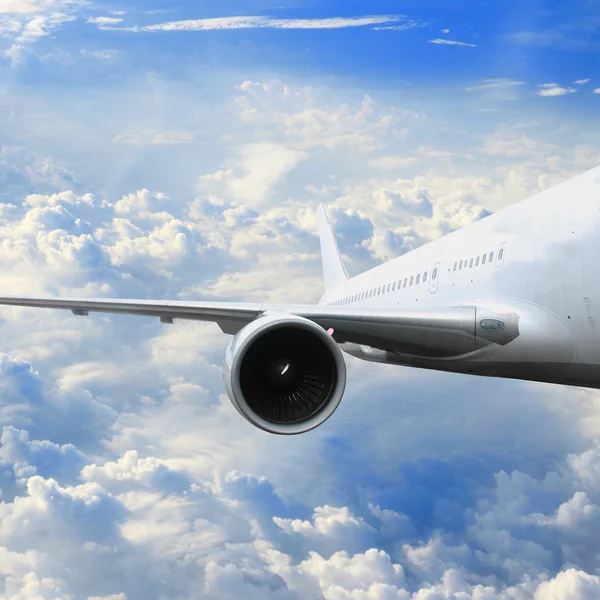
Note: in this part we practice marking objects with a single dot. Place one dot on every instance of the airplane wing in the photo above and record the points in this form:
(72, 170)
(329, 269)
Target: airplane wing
(436, 332)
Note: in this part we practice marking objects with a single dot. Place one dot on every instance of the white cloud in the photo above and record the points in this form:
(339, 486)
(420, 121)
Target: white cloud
(120, 453)
(100, 54)
(409, 24)
(104, 20)
(445, 31)
(27, 21)
(253, 22)
(153, 137)
(498, 89)
(597, 91)
(393, 163)
(553, 89)
(582, 81)
(494, 84)
(263, 165)
(445, 42)
(569, 583)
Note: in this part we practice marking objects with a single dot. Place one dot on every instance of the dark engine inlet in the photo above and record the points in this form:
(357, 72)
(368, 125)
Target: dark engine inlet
(287, 375)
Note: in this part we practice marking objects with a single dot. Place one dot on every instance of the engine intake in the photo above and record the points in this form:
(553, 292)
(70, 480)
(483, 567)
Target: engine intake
(284, 374)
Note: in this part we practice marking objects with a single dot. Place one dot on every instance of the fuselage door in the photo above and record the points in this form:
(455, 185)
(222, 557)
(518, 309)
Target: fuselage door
(434, 276)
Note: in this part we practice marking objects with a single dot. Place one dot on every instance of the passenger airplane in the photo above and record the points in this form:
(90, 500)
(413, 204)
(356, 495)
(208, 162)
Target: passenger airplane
(512, 295)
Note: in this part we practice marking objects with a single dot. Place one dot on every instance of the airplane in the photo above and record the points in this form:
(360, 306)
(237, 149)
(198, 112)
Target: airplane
(512, 295)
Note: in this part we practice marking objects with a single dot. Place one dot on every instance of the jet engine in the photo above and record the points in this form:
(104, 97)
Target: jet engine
(284, 374)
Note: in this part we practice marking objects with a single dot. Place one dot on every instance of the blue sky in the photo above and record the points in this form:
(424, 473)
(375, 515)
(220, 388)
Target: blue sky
(144, 153)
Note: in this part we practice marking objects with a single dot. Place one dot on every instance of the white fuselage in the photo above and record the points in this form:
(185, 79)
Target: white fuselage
(544, 253)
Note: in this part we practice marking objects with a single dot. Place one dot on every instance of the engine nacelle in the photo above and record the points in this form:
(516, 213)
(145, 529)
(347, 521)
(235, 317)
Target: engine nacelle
(284, 374)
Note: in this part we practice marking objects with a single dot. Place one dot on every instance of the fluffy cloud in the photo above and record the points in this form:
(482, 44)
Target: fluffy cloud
(120, 455)
(29, 20)
(553, 89)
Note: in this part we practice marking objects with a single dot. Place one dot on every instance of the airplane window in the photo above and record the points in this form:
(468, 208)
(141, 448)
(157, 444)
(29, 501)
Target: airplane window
(477, 261)
(471, 263)
(460, 265)
(405, 282)
(491, 256)
(425, 277)
(411, 280)
(483, 259)
(501, 254)
(393, 286)
(434, 275)
(418, 277)
(455, 265)
(389, 287)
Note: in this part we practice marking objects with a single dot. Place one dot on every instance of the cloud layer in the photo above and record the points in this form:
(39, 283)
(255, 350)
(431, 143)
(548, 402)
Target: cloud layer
(262, 22)
(125, 472)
